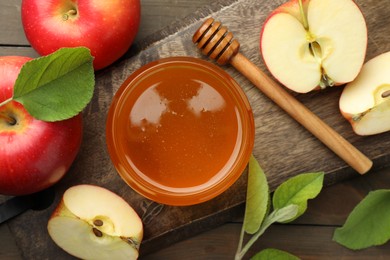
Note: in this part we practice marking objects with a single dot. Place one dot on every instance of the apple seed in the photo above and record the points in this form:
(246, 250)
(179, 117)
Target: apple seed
(386, 94)
(98, 222)
(97, 232)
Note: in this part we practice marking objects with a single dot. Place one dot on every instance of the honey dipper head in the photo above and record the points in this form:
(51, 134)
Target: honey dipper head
(216, 41)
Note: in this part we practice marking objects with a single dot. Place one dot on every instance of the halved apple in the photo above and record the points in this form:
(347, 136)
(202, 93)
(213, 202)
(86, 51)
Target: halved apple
(365, 102)
(314, 43)
(92, 222)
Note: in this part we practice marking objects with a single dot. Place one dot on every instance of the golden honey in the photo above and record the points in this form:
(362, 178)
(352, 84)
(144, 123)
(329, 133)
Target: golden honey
(180, 131)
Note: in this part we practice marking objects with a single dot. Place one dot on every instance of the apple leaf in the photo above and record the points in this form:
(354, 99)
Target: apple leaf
(368, 224)
(298, 190)
(289, 202)
(282, 214)
(257, 199)
(274, 254)
(57, 86)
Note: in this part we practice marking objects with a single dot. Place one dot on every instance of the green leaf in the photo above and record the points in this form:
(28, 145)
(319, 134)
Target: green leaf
(274, 254)
(57, 86)
(298, 190)
(257, 198)
(368, 224)
(282, 214)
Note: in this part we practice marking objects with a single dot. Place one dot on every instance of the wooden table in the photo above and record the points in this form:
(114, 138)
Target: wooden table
(309, 237)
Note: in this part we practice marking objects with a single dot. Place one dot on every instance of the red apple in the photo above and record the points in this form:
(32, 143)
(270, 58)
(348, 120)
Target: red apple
(92, 222)
(365, 102)
(314, 43)
(33, 154)
(106, 27)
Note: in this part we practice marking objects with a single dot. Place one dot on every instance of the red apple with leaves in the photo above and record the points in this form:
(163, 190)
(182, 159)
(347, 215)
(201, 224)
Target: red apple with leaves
(33, 154)
(106, 27)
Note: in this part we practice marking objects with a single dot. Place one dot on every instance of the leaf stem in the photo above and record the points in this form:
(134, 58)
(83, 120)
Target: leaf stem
(6, 101)
(267, 222)
(240, 242)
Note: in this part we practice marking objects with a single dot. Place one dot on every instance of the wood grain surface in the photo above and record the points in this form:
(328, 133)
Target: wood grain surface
(282, 147)
(309, 237)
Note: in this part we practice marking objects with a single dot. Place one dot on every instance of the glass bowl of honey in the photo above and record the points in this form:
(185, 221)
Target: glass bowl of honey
(180, 131)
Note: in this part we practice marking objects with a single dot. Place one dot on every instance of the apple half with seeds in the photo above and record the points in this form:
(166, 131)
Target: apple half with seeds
(365, 102)
(312, 44)
(92, 222)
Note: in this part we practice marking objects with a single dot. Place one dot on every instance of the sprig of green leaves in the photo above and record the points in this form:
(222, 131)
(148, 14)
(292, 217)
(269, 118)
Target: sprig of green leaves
(289, 201)
(57, 86)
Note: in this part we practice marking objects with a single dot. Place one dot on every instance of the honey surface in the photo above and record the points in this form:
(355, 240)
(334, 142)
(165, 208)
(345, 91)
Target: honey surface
(181, 127)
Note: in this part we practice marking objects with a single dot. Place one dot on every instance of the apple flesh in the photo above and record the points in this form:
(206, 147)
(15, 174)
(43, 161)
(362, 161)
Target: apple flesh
(317, 44)
(92, 222)
(106, 27)
(365, 102)
(33, 154)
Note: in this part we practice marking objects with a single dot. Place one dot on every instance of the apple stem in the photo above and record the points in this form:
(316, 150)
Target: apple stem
(71, 12)
(303, 15)
(9, 119)
(326, 81)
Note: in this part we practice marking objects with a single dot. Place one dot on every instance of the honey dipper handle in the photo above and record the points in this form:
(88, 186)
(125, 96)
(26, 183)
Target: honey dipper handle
(345, 150)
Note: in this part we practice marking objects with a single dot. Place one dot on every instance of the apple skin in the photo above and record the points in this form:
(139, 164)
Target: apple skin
(365, 102)
(106, 27)
(290, 7)
(33, 154)
(341, 65)
(92, 222)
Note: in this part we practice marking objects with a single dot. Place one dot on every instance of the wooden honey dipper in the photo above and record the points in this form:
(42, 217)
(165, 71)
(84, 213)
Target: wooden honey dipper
(216, 42)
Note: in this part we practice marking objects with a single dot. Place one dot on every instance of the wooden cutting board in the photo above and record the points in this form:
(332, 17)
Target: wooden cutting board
(282, 146)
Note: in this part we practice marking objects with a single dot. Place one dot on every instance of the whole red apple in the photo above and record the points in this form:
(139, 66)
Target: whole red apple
(106, 27)
(33, 154)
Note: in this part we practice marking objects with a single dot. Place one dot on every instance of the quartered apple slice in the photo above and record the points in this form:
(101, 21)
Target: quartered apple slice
(365, 102)
(314, 43)
(92, 222)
